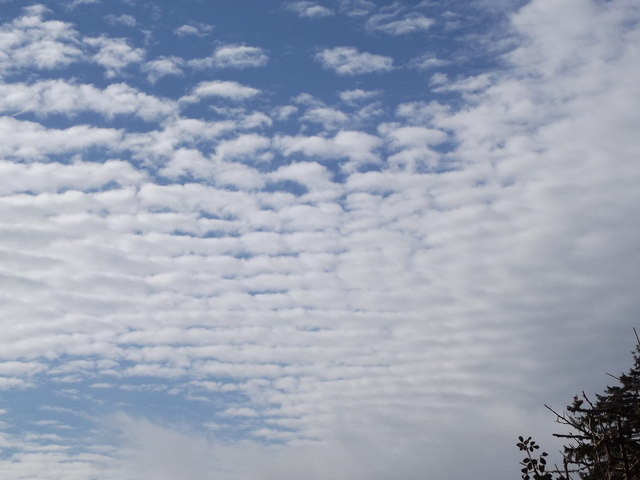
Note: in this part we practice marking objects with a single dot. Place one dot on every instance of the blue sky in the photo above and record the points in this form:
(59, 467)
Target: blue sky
(281, 240)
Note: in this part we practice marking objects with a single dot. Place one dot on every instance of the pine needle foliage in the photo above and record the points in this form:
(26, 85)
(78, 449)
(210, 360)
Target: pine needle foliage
(603, 439)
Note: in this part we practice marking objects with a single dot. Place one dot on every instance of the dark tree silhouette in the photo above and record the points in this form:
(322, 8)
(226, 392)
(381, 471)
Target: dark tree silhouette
(603, 442)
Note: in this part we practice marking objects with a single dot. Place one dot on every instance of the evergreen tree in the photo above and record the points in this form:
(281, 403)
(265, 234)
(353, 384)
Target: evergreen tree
(604, 435)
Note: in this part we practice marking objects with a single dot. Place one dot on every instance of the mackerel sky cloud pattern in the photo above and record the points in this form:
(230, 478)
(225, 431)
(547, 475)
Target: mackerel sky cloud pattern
(283, 240)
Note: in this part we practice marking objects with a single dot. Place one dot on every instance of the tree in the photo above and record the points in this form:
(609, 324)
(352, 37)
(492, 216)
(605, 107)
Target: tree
(604, 435)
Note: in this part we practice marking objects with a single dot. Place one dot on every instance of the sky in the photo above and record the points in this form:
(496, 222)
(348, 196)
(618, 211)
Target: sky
(343, 239)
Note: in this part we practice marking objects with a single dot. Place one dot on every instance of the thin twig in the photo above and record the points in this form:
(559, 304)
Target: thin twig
(584, 395)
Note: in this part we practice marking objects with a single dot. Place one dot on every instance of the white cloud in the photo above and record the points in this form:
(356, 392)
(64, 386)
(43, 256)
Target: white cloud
(427, 61)
(220, 88)
(349, 61)
(75, 3)
(329, 118)
(240, 412)
(416, 136)
(123, 19)
(356, 8)
(358, 95)
(30, 140)
(187, 161)
(77, 175)
(309, 9)
(358, 147)
(232, 56)
(237, 175)
(245, 146)
(466, 85)
(255, 120)
(284, 112)
(421, 112)
(439, 79)
(162, 67)
(31, 41)
(114, 54)
(368, 112)
(316, 178)
(14, 368)
(176, 132)
(239, 56)
(307, 100)
(193, 29)
(392, 24)
(59, 97)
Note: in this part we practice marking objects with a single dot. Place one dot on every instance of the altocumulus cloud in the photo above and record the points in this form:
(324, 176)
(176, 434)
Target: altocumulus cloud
(349, 61)
(251, 260)
(225, 89)
(309, 9)
(232, 56)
